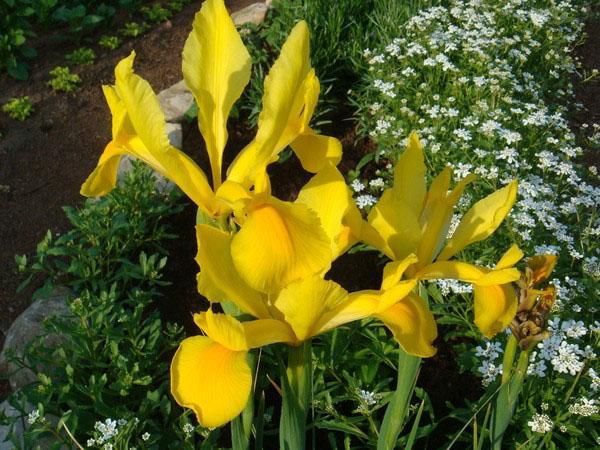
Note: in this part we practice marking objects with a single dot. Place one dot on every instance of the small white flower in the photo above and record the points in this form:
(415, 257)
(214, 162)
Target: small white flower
(145, 436)
(540, 423)
(33, 416)
(362, 201)
(357, 186)
(584, 407)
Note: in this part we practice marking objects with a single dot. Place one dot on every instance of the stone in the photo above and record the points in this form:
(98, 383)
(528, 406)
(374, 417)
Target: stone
(175, 134)
(175, 101)
(11, 412)
(28, 326)
(255, 13)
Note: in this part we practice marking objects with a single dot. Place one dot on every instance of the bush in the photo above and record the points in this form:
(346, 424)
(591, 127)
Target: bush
(83, 55)
(63, 80)
(108, 378)
(18, 108)
(110, 42)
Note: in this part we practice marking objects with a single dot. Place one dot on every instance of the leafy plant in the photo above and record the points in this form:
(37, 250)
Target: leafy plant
(110, 42)
(15, 29)
(133, 29)
(156, 13)
(107, 380)
(83, 55)
(18, 108)
(63, 80)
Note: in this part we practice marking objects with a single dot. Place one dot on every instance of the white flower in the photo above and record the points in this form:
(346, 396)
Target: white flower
(370, 398)
(584, 407)
(540, 423)
(357, 186)
(145, 436)
(33, 416)
(188, 429)
(362, 201)
(377, 183)
(107, 429)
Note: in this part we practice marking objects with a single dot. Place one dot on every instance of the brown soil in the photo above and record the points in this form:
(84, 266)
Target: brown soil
(589, 93)
(44, 159)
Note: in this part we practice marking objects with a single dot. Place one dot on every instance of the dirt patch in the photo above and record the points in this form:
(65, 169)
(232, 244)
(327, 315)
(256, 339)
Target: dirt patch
(44, 160)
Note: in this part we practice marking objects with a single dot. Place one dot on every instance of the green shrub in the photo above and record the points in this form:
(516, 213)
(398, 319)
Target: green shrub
(18, 108)
(83, 55)
(133, 29)
(156, 13)
(110, 42)
(63, 80)
(15, 28)
(111, 368)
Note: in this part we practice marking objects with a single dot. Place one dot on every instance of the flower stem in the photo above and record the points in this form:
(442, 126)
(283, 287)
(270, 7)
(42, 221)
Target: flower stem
(296, 385)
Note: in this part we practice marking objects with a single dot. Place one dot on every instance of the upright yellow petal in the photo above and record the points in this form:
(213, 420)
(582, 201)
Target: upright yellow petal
(409, 176)
(396, 223)
(327, 194)
(283, 100)
(495, 307)
(393, 271)
(481, 220)
(412, 324)
(212, 380)
(143, 116)
(304, 302)
(395, 294)
(512, 256)
(278, 243)
(216, 68)
(218, 279)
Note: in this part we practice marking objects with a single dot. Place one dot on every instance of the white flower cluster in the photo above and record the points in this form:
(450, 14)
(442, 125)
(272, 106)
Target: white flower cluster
(584, 407)
(490, 368)
(484, 84)
(106, 432)
(540, 423)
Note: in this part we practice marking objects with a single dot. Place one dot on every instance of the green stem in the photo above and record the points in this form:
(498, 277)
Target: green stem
(395, 414)
(296, 385)
(508, 395)
(241, 426)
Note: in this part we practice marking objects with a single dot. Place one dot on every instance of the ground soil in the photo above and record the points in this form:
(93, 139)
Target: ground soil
(44, 160)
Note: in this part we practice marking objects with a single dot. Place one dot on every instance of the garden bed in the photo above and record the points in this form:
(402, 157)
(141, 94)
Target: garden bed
(45, 159)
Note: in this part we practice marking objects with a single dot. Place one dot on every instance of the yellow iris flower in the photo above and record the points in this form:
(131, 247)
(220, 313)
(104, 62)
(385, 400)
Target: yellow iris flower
(216, 68)
(411, 220)
(298, 311)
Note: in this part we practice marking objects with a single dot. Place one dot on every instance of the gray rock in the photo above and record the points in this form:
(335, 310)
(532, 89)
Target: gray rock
(175, 101)
(175, 134)
(255, 13)
(11, 412)
(30, 325)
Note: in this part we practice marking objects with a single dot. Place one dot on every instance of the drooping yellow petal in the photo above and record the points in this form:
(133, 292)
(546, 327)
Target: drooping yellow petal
(542, 266)
(267, 331)
(216, 68)
(396, 293)
(218, 279)
(409, 176)
(495, 307)
(357, 306)
(283, 99)
(327, 194)
(278, 243)
(224, 329)
(315, 151)
(304, 302)
(481, 220)
(412, 324)
(210, 379)
(469, 273)
(104, 177)
(396, 223)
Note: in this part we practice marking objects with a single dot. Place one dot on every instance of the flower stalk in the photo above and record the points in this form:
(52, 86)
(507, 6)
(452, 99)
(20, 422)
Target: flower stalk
(296, 386)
